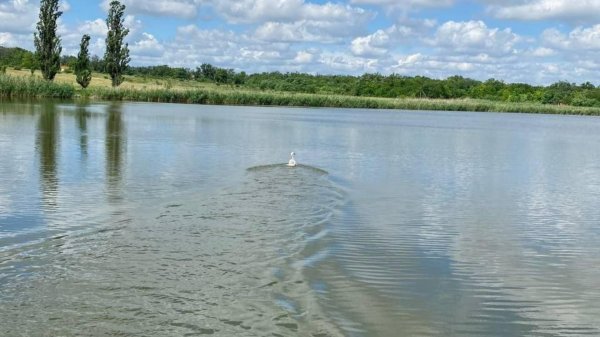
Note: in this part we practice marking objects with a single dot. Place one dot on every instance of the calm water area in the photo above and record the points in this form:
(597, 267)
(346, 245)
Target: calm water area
(135, 219)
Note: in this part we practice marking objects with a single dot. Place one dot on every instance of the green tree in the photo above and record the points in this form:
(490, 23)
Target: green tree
(29, 62)
(117, 53)
(208, 71)
(34, 65)
(47, 43)
(240, 78)
(83, 71)
(223, 76)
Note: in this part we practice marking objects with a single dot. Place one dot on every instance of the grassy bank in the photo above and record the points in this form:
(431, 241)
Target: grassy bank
(27, 87)
(16, 86)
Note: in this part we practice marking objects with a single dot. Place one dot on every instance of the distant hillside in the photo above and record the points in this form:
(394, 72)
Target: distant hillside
(15, 57)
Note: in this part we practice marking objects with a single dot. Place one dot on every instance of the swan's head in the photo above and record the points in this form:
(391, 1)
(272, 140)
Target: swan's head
(292, 154)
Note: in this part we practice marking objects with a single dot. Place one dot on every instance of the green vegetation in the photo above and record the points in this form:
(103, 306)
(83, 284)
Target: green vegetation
(12, 57)
(47, 43)
(83, 72)
(28, 87)
(238, 97)
(22, 87)
(117, 53)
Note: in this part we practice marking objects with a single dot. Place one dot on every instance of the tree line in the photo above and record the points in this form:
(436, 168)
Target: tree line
(115, 62)
(47, 56)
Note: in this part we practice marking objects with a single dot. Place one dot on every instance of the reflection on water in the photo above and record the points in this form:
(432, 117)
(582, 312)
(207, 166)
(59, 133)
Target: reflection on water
(82, 116)
(115, 146)
(47, 145)
(172, 220)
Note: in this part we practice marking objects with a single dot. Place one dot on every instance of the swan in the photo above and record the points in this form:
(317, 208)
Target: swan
(292, 161)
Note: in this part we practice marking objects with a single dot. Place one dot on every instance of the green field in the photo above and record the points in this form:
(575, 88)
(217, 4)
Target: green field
(21, 84)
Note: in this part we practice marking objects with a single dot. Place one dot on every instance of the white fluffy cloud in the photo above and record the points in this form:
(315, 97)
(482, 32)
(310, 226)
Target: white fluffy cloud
(95, 27)
(253, 11)
(307, 31)
(177, 8)
(6, 39)
(473, 37)
(579, 10)
(18, 16)
(577, 40)
(380, 42)
(391, 5)
(304, 57)
(371, 45)
(147, 46)
(298, 21)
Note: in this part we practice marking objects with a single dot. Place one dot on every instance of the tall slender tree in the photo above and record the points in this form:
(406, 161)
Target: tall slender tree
(47, 43)
(83, 71)
(117, 53)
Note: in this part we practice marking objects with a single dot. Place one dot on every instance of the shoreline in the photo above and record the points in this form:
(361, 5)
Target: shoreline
(14, 87)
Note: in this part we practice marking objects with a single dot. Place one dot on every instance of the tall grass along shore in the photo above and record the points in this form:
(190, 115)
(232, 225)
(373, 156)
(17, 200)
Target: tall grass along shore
(33, 87)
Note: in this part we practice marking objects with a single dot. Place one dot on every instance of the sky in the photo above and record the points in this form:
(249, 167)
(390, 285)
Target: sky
(530, 41)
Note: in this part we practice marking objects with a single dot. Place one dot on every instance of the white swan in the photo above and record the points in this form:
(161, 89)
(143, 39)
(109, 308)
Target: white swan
(292, 161)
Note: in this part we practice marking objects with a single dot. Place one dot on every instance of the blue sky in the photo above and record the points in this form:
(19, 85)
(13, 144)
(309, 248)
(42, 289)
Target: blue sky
(532, 41)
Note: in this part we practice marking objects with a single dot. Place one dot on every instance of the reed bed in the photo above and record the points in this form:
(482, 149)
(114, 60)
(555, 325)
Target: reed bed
(259, 98)
(32, 87)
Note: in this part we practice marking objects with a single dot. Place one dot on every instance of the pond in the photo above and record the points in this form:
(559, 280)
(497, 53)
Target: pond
(180, 220)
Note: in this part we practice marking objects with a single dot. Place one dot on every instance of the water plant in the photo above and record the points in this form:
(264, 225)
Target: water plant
(18, 87)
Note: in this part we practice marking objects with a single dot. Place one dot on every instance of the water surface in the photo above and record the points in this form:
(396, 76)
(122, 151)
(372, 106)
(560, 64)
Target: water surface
(171, 220)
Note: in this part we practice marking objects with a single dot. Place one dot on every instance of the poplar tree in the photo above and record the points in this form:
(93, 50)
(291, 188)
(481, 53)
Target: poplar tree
(117, 53)
(47, 43)
(83, 71)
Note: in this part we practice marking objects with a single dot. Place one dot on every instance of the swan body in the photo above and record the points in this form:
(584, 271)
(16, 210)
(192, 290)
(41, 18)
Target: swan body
(292, 161)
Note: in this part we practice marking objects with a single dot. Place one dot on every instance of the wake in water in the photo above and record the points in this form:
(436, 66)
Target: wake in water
(233, 263)
(271, 167)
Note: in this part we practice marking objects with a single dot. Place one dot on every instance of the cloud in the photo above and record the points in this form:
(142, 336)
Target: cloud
(177, 8)
(580, 10)
(304, 57)
(337, 61)
(371, 45)
(392, 5)
(64, 6)
(6, 39)
(579, 39)
(542, 52)
(297, 21)
(147, 46)
(473, 37)
(379, 43)
(18, 16)
(258, 11)
(481, 67)
(134, 25)
(95, 27)
(246, 11)
(306, 31)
